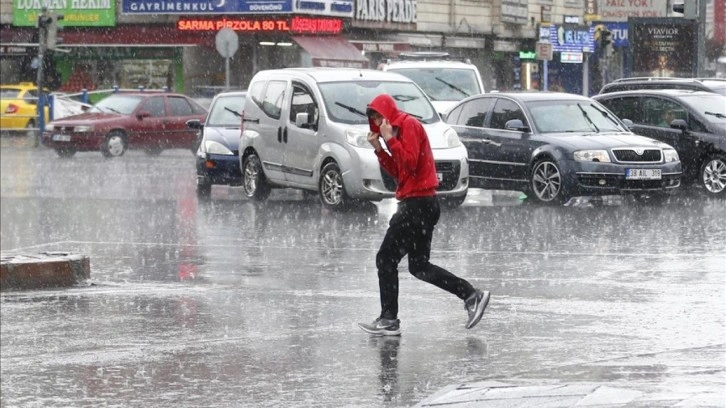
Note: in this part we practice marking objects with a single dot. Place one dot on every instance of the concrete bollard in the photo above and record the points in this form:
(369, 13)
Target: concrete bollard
(43, 270)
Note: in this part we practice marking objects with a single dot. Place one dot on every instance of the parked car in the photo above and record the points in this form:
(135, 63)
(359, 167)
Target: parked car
(693, 122)
(218, 152)
(19, 107)
(717, 85)
(306, 128)
(555, 146)
(445, 81)
(151, 121)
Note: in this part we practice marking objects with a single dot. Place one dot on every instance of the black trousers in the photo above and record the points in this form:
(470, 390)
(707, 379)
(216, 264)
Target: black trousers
(409, 233)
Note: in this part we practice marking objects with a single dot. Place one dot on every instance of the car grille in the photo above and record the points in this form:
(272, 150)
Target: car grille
(449, 170)
(631, 156)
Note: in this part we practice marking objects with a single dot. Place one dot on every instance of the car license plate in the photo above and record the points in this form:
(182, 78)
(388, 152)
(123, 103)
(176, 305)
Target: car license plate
(62, 138)
(440, 176)
(642, 174)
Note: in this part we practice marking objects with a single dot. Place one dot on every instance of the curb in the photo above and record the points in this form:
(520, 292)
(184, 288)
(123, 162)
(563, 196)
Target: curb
(43, 270)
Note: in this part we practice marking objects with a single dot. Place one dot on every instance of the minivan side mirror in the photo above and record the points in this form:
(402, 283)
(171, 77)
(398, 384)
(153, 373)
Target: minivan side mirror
(628, 123)
(516, 124)
(302, 121)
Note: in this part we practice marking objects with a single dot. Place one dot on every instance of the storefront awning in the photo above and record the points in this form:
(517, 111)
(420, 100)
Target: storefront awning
(332, 51)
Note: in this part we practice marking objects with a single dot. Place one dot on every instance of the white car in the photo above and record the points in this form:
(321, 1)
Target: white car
(306, 128)
(445, 81)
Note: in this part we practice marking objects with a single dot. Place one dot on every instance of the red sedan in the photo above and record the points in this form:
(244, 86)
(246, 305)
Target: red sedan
(150, 121)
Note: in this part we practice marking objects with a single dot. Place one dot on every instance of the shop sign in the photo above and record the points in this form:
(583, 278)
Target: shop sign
(121, 53)
(337, 8)
(319, 62)
(391, 11)
(206, 6)
(570, 38)
(571, 57)
(296, 25)
(8, 50)
(76, 13)
(664, 46)
(505, 46)
(620, 10)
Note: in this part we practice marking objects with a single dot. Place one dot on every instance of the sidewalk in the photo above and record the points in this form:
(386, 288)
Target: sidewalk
(694, 377)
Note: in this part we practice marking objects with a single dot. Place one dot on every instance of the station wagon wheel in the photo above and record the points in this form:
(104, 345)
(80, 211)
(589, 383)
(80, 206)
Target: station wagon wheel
(713, 175)
(546, 182)
(114, 145)
(330, 186)
(254, 183)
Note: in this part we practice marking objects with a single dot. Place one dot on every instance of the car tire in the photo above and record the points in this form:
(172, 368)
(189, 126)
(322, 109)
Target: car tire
(254, 182)
(114, 145)
(546, 184)
(453, 201)
(331, 189)
(204, 189)
(712, 176)
(65, 152)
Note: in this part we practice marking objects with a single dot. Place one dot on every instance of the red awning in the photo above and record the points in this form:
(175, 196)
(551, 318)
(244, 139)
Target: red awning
(332, 51)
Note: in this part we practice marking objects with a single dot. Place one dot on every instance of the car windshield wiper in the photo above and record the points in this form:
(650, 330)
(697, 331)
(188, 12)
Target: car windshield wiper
(594, 126)
(112, 110)
(452, 86)
(716, 114)
(234, 112)
(607, 115)
(351, 109)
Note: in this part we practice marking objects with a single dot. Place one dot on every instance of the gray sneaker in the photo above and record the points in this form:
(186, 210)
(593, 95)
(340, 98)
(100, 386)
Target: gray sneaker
(382, 327)
(475, 305)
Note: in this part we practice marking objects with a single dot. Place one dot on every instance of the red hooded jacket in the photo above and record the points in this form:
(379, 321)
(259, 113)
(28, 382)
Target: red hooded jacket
(411, 160)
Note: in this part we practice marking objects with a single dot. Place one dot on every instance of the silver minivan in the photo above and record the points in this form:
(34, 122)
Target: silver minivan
(306, 128)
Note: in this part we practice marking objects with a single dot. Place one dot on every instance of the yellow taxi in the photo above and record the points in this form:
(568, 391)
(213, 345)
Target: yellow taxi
(18, 106)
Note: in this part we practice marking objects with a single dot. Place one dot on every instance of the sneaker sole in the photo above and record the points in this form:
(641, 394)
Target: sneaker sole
(480, 311)
(378, 332)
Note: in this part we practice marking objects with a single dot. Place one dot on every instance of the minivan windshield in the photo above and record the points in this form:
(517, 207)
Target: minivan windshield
(443, 84)
(338, 97)
(713, 107)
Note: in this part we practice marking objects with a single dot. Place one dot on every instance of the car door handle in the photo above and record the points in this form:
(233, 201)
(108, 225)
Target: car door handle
(284, 134)
(250, 120)
(279, 135)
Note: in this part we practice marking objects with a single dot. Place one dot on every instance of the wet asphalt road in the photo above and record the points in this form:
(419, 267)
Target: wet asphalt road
(231, 303)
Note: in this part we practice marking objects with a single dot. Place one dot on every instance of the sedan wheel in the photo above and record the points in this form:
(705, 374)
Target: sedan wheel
(330, 186)
(713, 175)
(114, 145)
(253, 179)
(546, 182)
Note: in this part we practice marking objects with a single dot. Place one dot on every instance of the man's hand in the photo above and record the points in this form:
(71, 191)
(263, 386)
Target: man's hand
(373, 140)
(386, 130)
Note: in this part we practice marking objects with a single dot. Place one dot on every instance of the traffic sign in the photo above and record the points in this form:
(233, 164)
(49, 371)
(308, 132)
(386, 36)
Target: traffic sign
(227, 42)
(544, 50)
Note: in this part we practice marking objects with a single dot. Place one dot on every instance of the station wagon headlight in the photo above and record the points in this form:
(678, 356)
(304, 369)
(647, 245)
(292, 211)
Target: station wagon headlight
(451, 138)
(358, 138)
(592, 156)
(210, 146)
(83, 128)
(670, 155)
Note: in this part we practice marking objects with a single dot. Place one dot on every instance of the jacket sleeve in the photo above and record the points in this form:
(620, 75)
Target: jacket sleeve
(387, 163)
(406, 150)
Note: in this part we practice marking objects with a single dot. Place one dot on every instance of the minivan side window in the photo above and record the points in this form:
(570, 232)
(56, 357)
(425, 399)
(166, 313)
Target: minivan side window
(303, 102)
(272, 100)
(256, 92)
(624, 108)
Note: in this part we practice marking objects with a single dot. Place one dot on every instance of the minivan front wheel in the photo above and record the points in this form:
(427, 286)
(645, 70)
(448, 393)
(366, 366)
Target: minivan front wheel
(713, 175)
(254, 183)
(330, 187)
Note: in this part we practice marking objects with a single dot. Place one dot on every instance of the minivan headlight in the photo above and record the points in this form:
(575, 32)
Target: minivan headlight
(592, 156)
(358, 138)
(451, 138)
(210, 146)
(670, 155)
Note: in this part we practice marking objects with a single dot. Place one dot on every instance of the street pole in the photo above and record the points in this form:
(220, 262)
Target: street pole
(701, 49)
(585, 74)
(42, 34)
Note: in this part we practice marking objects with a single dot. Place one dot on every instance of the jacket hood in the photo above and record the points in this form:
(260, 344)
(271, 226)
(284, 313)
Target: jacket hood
(386, 106)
